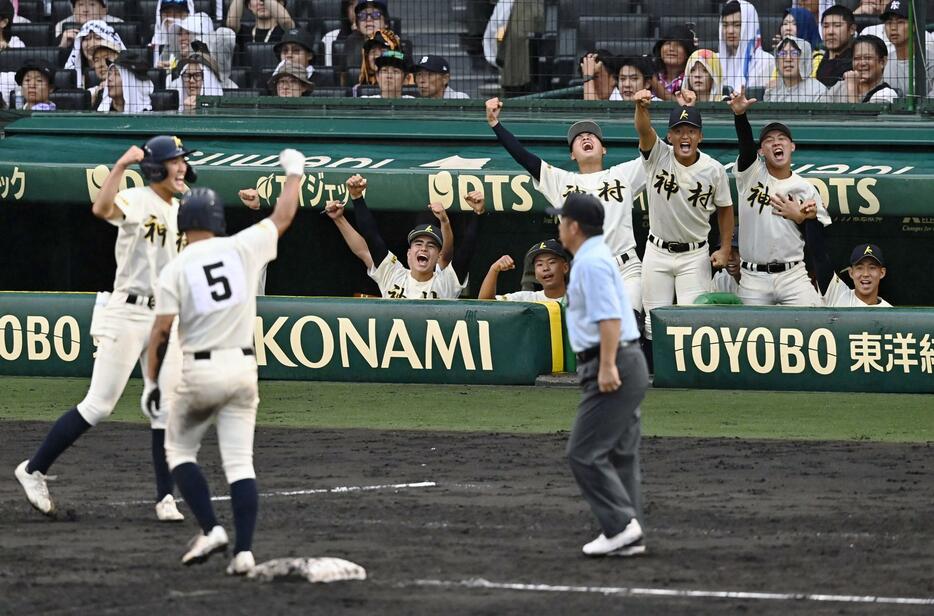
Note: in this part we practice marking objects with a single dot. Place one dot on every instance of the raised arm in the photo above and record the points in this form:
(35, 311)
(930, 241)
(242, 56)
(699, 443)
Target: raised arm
(747, 145)
(488, 288)
(643, 121)
(281, 14)
(447, 234)
(530, 162)
(103, 206)
(365, 221)
(465, 248)
(817, 248)
(354, 241)
(235, 14)
(293, 162)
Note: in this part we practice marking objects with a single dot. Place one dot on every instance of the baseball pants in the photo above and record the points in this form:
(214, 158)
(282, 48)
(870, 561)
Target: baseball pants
(122, 332)
(219, 390)
(666, 275)
(631, 271)
(603, 449)
(789, 288)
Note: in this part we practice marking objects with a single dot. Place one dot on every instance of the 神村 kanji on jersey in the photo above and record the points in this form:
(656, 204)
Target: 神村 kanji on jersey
(763, 236)
(615, 186)
(395, 281)
(839, 295)
(211, 286)
(681, 199)
(529, 296)
(147, 239)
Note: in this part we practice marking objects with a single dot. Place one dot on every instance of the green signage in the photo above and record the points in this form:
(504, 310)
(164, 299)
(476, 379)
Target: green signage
(778, 348)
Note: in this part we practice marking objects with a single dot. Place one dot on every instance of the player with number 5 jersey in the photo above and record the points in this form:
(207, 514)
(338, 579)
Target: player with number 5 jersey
(211, 287)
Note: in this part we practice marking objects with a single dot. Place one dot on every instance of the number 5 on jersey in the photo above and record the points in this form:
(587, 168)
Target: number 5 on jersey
(216, 281)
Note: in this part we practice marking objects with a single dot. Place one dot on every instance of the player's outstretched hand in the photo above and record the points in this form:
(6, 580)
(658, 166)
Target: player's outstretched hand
(356, 185)
(475, 200)
(720, 258)
(792, 209)
(493, 107)
(503, 264)
(739, 103)
(642, 98)
(151, 399)
(334, 210)
(685, 97)
(292, 162)
(438, 210)
(131, 157)
(250, 198)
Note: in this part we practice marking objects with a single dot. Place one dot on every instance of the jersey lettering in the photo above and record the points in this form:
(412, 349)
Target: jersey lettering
(216, 281)
(615, 191)
(667, 182)
(699, 197)
(759, 194)
(153, 228)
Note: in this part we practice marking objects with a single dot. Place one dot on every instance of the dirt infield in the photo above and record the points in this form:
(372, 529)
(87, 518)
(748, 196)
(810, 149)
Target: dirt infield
(723, 515)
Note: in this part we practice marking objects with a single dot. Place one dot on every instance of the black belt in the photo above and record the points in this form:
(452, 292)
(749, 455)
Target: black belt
(594, 352)
(132, 298)
(676, 246)
(207, 354)
(771, 268)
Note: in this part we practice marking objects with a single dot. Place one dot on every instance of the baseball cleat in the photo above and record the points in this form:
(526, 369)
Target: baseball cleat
(241, 564)
(167, 510)
(202, 546)
(627, 543)
(37, 490)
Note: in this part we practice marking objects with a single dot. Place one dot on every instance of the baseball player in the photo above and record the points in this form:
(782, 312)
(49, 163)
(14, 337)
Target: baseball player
(772, 246)
(685, 186)
(147, 240)
(429, 275)
(616, 187)
(211, 288)
(551, 265)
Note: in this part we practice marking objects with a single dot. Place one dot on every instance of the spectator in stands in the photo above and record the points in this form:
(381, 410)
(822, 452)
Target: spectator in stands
(551, 266)
(347, 28)
(801, 23)
(870, 7)
(598, 70)
(127, 87)
(897, 69)
(433, 76)
(372, 16)
(83, 11)
(36, 78)
(838, 28)
(290, 80)
(380, 42)
(704, 76)
(392, 69)
(196, 33)
(93, 34)
(741, 56)
(297, 47)
(272, 20)
(102, 57)
(634, 74)
(168, 12)
(197, 76)
(671, 54)
(794, 83)
(864, 83)
(817, 8)
(7, 14)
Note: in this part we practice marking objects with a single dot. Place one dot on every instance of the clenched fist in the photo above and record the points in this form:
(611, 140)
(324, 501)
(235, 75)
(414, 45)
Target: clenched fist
(356, 186)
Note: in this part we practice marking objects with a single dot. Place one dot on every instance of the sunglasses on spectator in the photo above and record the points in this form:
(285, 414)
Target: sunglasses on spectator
(374, 14)
(789, 53)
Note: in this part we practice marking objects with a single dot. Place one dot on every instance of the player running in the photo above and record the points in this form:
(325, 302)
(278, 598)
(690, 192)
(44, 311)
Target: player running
(211, 288)
(147, 240)
(685, 186)
(772, 246)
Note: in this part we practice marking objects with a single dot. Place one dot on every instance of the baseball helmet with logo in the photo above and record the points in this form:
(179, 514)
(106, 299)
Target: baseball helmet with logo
(202, 209)
(160, 149)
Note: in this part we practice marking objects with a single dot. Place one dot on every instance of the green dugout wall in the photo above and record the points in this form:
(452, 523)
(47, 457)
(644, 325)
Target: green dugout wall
(876, 172)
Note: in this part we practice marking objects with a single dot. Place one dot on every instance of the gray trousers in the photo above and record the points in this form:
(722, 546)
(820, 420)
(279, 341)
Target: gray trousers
(603, 449)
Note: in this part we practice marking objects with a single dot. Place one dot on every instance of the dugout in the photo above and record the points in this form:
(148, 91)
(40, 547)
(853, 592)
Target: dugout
(874, 168)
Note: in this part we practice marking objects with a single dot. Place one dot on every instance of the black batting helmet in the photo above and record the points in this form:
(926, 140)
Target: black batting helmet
(203, 209)
(160, 149)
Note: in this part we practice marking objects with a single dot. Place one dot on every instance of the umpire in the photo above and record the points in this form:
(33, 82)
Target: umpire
(603, 449)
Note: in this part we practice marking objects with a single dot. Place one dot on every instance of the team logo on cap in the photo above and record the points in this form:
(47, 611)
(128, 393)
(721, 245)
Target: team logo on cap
(429, 229)
(868, 250)
(178, 142)
(684, 114)
(423, 60)
(542, 245)
(896, 4)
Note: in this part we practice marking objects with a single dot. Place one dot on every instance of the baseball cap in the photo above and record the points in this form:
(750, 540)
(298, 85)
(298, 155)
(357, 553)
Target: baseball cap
(553, 247)
(432, 64)
(774, 126)
(380, 4)
(585, 209)
(684, 115)
(35, 64)
(584, 126)
(297, 36)
(428, 230)
(895, 8)
(867, 251)
(392, 58)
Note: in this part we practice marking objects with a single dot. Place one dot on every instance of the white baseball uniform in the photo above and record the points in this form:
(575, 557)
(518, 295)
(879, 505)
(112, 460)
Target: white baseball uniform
(839, 295)
(529, 296)
(772, 247)
(147, 240)
(681, 200)
(395, 281)
(211, 287)
(616, 187)
(722, 282)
